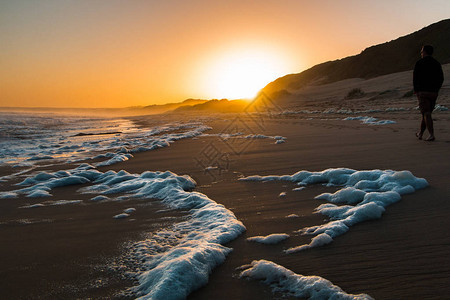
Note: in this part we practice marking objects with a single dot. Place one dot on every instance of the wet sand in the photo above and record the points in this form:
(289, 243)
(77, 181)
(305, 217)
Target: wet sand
(68, 252)
(73, 251)
(401, 256)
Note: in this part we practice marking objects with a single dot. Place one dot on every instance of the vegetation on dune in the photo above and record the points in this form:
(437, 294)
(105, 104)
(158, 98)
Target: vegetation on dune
(355, 93)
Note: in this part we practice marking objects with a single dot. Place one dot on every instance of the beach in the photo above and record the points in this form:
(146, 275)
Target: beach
(224, 150)
(84, 249)
(399, 256)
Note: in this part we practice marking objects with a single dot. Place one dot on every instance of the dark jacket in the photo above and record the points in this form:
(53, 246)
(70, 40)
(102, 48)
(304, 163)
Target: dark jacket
(427, 75)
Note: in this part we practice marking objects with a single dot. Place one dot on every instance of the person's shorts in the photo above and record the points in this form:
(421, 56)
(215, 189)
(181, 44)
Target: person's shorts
(427, 101)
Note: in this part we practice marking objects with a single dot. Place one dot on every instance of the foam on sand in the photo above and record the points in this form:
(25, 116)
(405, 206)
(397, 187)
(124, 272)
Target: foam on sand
(171, 263)
(317, 241)
(343, 111)
(439, 107)
(129, 210)
(239, 135)
(365, 196)
(53, 203)
(125, 214)
(370, 120)
(274, 238)
(278, 139)
(121, 216)
(282, 280)
(99, 198)
(292, 216)
(119, 157)
(298, 189)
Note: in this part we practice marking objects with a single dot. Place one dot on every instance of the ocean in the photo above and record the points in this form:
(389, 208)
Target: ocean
(186, 252)
(54, 138)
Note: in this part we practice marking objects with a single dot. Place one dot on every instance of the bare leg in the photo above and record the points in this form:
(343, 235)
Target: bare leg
(423, 126)
(429, 125)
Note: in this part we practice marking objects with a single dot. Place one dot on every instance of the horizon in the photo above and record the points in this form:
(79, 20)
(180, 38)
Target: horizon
(111, 55)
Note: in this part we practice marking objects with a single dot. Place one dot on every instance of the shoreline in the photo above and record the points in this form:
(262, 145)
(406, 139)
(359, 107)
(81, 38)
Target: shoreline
(405, 246)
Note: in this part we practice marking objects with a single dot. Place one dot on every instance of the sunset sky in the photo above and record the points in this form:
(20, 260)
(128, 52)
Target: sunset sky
(111, 53)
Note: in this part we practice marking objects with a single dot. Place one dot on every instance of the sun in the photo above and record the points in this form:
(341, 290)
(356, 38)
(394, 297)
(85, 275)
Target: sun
(241, 73)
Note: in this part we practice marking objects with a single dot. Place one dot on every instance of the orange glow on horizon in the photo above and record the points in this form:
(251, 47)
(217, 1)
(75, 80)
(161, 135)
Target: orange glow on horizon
(135, 53)
(240, 72)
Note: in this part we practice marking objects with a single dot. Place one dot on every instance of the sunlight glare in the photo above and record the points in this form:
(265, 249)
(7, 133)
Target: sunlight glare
(241, 74)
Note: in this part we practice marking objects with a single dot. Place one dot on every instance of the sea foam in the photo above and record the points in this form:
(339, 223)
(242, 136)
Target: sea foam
(172, 262)
(284, 281)
(365, 196)
(273, 238)
(370, 120)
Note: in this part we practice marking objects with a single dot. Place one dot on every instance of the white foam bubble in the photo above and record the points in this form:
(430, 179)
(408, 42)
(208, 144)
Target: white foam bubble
(6, 195)
(298, 189)
(317, 241)
(180, 270)
(348, 195)
(239, 135)
(100, 198)
(65, 202)
(344, 111)
(167, 270)
(121, 216)
(365, 194)
(273, 238)
(278, 139)
(370, 120)
(115, 159)
(33, 205)
(37, 193)
(53, 203)
(440, 107)
(284, 281)
(292, 216)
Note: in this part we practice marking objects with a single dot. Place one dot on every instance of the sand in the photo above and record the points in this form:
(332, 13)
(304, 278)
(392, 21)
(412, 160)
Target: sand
(401, 256)
(77, 251)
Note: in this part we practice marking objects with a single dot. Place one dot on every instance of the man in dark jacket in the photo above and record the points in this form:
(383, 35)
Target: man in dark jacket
(427, 80)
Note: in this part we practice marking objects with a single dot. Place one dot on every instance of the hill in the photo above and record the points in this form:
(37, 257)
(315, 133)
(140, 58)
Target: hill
(222, 106)
(387, 58)
(162, 108)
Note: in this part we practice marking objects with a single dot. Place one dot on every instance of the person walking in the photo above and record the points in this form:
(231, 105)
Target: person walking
(427, 81)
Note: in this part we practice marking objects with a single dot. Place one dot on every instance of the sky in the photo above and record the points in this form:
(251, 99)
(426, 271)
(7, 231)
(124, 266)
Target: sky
(121, 53)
